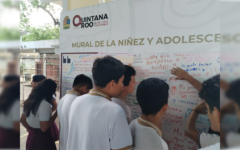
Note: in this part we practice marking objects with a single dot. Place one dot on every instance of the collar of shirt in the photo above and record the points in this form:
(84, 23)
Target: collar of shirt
(146, 123)
(73, 92)
(99, 93)
(121, 99)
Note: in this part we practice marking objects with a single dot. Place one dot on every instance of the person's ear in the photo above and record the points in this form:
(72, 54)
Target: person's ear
(165, 107)
(110, 85)
(85, 89)
(124, 87)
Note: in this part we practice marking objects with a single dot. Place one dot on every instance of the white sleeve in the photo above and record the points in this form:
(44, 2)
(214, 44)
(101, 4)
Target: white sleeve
(157, 143)
(212, 147)
(14, 112)
(44, 111)
(119, 132)
(206, 139)
(233, 139)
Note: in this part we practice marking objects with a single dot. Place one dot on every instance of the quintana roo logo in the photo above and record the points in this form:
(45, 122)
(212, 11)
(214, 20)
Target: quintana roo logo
(66, 23)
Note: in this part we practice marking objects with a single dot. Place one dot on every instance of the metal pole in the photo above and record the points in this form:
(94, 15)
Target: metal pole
(23, 79)
(44, 65)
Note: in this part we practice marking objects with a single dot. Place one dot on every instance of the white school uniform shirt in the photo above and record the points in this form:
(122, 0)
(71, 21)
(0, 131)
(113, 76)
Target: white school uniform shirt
(125, 107)
(212, 147)
(233, 140)
(7, 120)
(63, 110)
(234, 148)
(207, 139)
(96, 123)
(146, 135)
(44, 113)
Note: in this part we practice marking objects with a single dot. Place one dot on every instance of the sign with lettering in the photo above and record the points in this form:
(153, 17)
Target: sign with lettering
(153, 36)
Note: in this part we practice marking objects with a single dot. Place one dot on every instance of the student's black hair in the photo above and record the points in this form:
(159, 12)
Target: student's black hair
(44, 90)
(82, 80)
(11, 78)
(233, 91)
(9, 96)
(38, 78)
(107, 69)
(130, 71)
(152, 95)
(210, 92)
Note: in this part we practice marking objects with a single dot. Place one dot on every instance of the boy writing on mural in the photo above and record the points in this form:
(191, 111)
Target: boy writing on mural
(152, 96)
(209, 91)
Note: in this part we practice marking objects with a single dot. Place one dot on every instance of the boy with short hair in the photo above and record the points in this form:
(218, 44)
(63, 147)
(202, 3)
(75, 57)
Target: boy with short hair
(209, 91)
(152, 96)
(95, 122)
(81, 85)
(129, 87)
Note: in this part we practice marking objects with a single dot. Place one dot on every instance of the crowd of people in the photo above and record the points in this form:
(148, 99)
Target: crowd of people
(93, 115)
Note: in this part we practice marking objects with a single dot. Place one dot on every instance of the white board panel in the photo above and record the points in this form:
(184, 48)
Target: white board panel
(183, 97)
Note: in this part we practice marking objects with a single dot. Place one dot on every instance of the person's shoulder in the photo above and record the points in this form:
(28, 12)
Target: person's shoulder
(154, 137)
(16, 103)
(212, 147)
(207, 139)
(44, 105)
(68, 95)
(82, 100)
(114, 106)
(208, 135)
(154, 140)
(133, 123)
(115, 99)
(118, 101)
(44, 102)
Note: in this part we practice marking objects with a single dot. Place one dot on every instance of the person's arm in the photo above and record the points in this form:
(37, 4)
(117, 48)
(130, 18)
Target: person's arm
(23, 120)
(44, 125)
(183, 75)
(190, 129)
(16, 126)
(54, 106)
(224, 85)
(227, 109)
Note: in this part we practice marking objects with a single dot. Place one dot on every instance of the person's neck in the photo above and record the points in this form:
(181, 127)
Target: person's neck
(104, 90)
(153, 119)
(123, 95)
(78, 90)
(218, 130)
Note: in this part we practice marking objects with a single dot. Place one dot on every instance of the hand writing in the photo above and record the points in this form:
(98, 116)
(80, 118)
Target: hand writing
(180, 73)
(201, 108)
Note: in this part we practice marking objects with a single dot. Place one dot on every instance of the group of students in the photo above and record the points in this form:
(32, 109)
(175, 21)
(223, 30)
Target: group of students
(97, 117)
